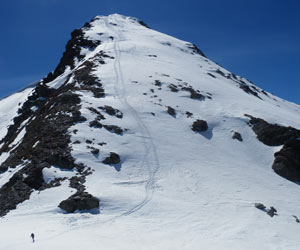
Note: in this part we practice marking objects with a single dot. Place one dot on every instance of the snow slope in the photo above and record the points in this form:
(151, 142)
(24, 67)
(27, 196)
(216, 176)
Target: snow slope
(174, 188)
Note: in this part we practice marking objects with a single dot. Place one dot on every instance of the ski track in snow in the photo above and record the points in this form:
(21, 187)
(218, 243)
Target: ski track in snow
(150, 149)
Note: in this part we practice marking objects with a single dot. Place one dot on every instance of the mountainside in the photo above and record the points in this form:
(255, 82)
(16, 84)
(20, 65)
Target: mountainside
(138, 141)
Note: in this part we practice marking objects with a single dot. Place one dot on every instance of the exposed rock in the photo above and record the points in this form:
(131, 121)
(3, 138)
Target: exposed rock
(272, 211)
(99, 115)
(237, 136)
(87, 80)
(197, 96)
(248, 90)
(12, 193)
(49, 113)
(114, 129)
(158, 83)
(272, 134)
(112, 111)
(173, 88)
(34, 176)
(260, 206)
(210, 74)
(79, 201)
(195, 49)
(188, 114)
(296, 218)
(171, 111)
(287, 161)
(199, 126)
(143, 23)
(220, 72)
(95, 151)
(113, 158)
(77, 183)
(95, 124)
(72, 52)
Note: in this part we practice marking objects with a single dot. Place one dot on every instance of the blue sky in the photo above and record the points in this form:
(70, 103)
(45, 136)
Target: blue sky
(259, 40)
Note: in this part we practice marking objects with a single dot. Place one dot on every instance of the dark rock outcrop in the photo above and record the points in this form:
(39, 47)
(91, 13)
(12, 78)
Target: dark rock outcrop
(112, 159)
(237, 136)
(79, 201)
(112, 111)
(48, 113)
(173, 88)
(296, 218)
(171, 111)
(72, 52)
(287, 160)
(248, 90)
(197, 96)
(195, 49)
(114, 129)
(272, 211)
(12, 193)
(272, 134)
(199, 126)
(260, 206)
(95, 151)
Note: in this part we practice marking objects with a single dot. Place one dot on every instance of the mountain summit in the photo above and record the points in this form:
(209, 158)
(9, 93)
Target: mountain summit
(138, 141)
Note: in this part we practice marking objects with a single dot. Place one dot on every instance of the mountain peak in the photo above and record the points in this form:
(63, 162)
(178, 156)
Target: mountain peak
(88, 37)
(135, 126)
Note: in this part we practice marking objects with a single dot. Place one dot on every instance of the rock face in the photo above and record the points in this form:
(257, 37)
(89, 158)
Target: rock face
(79, 201)
(272, 134)
(72, 52)
(287, 160)
(47, 115)
(200, 126)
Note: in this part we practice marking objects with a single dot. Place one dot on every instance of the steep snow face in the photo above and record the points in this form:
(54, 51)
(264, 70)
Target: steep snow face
(173, 188)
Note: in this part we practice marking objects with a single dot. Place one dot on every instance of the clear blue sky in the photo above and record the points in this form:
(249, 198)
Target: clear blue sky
(258, 39)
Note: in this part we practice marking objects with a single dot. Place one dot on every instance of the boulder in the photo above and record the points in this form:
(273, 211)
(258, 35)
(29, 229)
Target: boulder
(79, 201)
(113, 158)
(272, 211)
(95, 151)
(199, 126)
(196, 96)
(171, 111)
(260, 206)
(237, 136)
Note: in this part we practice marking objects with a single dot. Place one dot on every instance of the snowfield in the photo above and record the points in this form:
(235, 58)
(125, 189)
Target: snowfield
(175, 189)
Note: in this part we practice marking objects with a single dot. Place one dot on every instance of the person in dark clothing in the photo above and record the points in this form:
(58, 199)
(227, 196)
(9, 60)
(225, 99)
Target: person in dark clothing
(32, 237)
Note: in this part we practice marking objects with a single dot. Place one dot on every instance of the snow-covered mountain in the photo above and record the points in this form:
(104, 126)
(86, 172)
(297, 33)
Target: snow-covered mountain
(175, 150)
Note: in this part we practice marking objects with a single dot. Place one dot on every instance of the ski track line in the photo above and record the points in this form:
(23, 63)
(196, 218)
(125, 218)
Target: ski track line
(148, 144)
